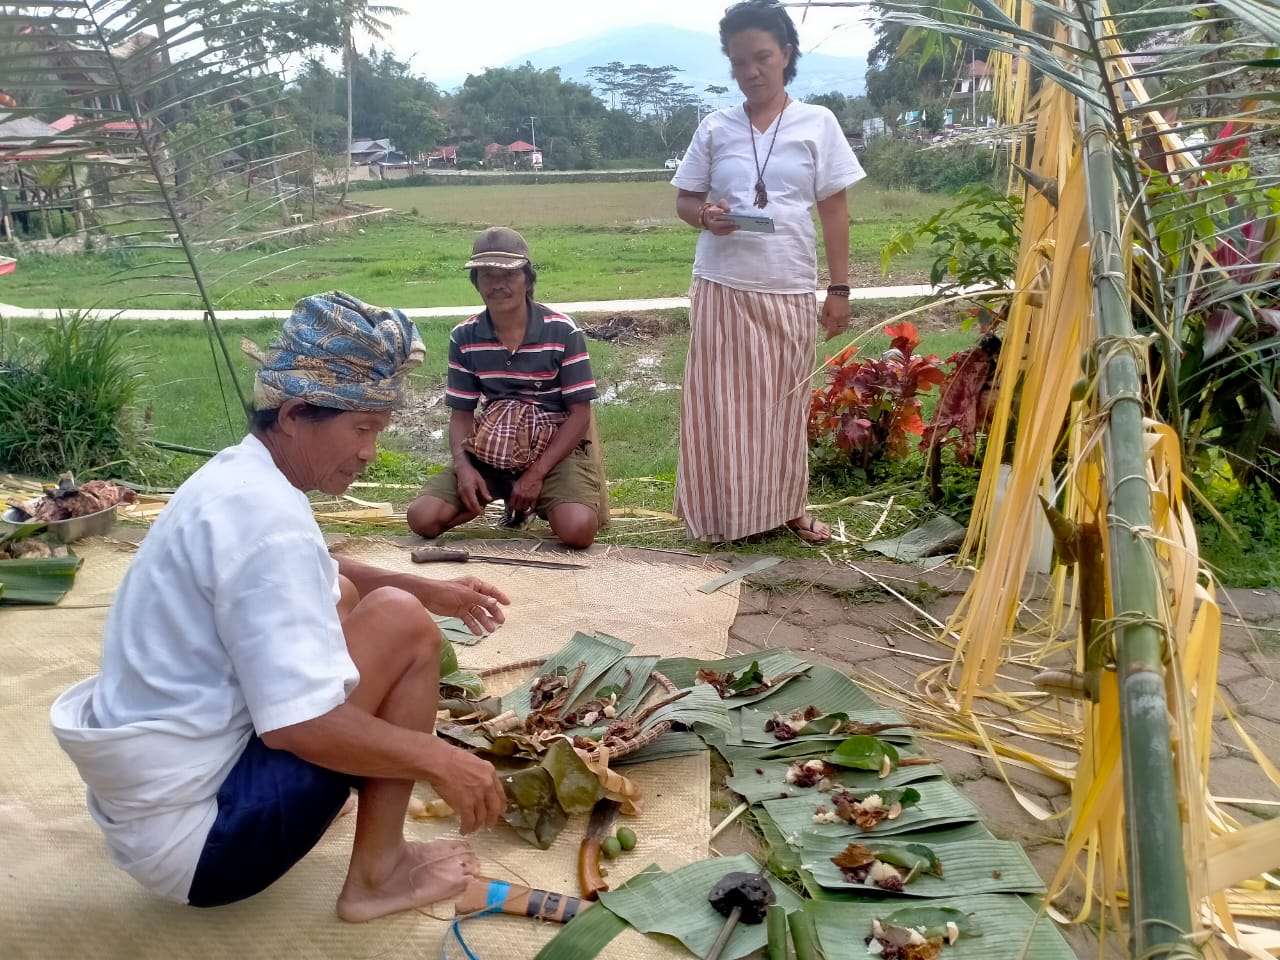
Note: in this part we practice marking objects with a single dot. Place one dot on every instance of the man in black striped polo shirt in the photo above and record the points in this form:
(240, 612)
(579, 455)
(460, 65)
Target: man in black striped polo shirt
(525, 367)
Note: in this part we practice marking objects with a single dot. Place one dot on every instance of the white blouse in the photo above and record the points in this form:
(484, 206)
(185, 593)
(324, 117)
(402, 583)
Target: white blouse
(811, 161)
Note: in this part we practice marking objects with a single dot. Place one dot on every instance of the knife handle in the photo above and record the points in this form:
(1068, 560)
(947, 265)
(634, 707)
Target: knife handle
(431, 555)
(590, 882)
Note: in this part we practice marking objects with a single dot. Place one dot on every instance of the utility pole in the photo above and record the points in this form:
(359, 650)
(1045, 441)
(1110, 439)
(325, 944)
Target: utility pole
(973, 83)
(533, 133)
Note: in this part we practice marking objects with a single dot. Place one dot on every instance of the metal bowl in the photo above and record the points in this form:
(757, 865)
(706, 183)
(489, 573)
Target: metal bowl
(65, 531)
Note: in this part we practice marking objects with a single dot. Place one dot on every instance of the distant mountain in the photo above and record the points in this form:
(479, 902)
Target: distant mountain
(697, 54)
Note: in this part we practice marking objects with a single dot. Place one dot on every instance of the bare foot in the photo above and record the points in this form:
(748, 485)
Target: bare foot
(810, 529)
(423, 874)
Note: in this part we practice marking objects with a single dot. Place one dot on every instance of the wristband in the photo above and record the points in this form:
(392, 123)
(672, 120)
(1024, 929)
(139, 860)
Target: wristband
(702, 215)
(838, 290)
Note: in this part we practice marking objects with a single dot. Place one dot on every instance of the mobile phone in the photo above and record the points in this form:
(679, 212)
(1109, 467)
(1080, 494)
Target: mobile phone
(751, 222)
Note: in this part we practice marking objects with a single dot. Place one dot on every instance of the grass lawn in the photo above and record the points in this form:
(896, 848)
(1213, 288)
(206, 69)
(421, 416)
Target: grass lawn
(590, 242)
(638, 415)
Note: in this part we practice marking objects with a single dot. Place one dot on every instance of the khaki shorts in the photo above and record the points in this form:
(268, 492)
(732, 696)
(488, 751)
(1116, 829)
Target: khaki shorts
(572, 480)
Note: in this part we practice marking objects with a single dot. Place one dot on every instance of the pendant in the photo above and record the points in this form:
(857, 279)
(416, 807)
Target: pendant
(762, 195)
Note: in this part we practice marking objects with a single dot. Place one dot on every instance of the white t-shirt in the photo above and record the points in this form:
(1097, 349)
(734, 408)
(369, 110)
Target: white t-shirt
(225, 624)
(811, 160)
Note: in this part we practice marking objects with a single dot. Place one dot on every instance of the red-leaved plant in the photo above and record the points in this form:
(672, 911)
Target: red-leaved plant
(870, 407)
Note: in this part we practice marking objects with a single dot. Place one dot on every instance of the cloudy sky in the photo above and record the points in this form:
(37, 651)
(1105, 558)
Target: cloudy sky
(449, 38)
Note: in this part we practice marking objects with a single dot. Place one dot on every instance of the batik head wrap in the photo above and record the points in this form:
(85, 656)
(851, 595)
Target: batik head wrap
(338, 352)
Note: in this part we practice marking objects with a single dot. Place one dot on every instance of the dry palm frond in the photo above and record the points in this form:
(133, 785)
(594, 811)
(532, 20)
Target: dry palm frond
(1066, 68)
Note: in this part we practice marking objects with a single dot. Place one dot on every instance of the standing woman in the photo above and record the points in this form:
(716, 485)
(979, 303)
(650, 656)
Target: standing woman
(744, 466)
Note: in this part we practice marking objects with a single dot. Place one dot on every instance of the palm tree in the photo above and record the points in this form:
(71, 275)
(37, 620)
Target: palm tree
(373, 19)
(1146, 286)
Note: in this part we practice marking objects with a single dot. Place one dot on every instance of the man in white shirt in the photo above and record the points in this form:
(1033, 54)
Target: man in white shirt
(250, 680)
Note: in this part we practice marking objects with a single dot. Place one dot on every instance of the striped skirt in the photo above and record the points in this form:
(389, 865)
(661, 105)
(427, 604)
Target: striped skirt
(744, 458)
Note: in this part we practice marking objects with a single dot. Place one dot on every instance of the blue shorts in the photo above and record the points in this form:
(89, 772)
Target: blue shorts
(272, 809)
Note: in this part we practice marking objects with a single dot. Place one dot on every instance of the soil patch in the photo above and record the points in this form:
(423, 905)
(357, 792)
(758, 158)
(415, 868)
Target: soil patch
(630, 328)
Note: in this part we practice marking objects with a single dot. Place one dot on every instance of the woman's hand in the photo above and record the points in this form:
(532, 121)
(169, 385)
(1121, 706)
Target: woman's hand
(714, 220)
(835, 315)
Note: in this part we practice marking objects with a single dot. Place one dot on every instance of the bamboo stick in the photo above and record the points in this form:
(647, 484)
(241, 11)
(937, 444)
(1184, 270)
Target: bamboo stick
(1161, 911)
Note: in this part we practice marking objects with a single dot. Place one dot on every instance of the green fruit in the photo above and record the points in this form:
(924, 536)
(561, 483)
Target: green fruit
(626, 838)
(611, 847)
(1079, 389)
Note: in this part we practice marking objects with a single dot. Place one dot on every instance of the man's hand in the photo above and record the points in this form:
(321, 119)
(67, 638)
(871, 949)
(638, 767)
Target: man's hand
(471, 486)
(471, 786)
(524, 495)
(835, 315)
(471, 600)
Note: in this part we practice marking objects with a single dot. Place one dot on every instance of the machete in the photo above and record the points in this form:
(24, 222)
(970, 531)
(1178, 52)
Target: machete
(483, 896)
(431, 555)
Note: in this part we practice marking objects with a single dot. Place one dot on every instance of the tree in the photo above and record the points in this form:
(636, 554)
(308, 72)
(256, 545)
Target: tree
(610, 79)
(669, 106)
(362, 16)
(495, 106)
(415, 127)
(717, 92)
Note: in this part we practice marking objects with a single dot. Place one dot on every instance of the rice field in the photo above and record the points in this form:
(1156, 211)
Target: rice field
(605, 204)
(590, 241)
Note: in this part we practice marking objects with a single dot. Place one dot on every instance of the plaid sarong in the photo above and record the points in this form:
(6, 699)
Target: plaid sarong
(512, 434)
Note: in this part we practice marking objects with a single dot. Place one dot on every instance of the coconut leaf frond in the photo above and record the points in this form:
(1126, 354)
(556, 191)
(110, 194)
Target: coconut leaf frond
(169, 147)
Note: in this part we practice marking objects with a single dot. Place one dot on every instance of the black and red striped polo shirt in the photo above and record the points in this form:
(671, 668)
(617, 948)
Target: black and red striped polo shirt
(550, 368)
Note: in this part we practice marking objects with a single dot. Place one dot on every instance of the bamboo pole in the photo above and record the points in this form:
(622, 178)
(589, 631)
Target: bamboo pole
(1160, 911)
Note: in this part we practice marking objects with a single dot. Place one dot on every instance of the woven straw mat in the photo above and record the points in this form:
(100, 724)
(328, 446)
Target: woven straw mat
(63, 898)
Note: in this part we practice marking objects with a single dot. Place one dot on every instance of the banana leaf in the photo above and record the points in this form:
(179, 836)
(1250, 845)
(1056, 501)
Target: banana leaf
(468, 682)
(1009, 928)
(532, 809)
(701, 706)
(783, 857)
(540, 799)
(770, 783)
(940, 804)
(587, 934)
(971, 866)
(455, 631)
(823, 687)
(600, 652)
(673, 743)
(676, 904)
(40, 580)
(755, 566)
(683, 671)
(639, 683)
(754, 719)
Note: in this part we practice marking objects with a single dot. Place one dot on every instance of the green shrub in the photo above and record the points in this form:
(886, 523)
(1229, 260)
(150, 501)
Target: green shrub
(1245, 552)
(68, 400)
(899, 164)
